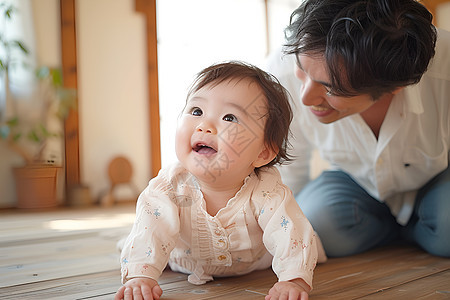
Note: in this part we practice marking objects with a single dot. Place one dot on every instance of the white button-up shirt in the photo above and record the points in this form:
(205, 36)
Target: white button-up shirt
(412, 147)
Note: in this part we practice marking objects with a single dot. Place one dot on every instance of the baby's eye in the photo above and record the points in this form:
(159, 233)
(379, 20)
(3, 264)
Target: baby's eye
(196, 111)
(230, 118)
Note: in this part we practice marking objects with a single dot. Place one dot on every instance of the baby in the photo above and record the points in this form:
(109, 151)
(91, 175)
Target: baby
(223, 210)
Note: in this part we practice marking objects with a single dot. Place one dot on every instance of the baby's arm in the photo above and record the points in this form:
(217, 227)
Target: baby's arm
(139, 288)
(147, 249)
(295, 289)
(289, 237)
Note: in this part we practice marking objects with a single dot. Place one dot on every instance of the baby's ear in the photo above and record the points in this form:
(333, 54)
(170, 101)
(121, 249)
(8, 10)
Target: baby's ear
(266, 155)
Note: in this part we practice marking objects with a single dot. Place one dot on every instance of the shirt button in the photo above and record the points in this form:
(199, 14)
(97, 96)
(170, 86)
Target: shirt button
(379, 161)
(221, 243)
(218, 231)
(221, 257)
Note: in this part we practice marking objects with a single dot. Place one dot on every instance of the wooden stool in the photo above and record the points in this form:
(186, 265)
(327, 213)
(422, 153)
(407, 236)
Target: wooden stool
(120, 172)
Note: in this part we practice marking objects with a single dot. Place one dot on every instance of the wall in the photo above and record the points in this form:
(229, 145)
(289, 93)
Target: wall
(443, 16)
(112, 90)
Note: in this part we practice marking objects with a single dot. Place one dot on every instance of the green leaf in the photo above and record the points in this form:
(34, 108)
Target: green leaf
(21, 46)
(33, 136)
(44, 131)
(13, 122)
(17, 137)
(9, 11)
(57, 79)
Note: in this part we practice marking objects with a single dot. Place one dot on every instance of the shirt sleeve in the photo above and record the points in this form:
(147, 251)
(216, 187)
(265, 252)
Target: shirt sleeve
(288, 236)
(153, 236)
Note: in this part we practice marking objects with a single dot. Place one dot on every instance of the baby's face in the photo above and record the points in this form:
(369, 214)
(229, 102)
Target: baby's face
(220, 134)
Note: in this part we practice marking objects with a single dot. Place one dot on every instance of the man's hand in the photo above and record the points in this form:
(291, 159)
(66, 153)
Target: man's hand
(295, 289)
(139, 289)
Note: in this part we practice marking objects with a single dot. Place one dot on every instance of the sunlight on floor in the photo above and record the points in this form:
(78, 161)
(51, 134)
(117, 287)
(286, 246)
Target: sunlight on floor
(95, 222)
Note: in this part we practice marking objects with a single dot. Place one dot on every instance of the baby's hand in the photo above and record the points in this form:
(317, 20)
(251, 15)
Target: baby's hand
(139, 288)
(289, 290)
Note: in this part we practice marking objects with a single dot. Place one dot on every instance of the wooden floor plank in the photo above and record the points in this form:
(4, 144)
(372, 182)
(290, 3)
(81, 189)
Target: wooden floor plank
(86, 254)
(51, 270)
(436, 286)
(77, 287)
(46, 249)
(376, 270)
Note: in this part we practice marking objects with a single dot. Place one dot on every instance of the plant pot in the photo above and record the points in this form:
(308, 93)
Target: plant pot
(36, 186)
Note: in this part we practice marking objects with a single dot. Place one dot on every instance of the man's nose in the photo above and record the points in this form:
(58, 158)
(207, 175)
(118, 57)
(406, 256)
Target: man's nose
(311, 93)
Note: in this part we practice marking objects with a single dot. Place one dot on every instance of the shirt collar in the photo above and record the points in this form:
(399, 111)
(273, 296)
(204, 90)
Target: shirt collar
(411, 98)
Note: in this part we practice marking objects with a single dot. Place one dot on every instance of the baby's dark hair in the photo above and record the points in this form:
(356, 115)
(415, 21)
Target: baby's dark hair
(276, 131)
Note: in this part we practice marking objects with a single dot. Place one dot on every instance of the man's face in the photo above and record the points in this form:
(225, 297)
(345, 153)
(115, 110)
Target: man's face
(316, 92)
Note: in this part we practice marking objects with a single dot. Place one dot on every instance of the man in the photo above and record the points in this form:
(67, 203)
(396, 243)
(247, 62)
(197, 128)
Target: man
(374, 99)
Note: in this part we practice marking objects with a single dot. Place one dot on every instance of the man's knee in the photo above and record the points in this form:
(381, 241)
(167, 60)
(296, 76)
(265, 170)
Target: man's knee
(436, 239)
(438, 244)
(439, 249)
(431, 221)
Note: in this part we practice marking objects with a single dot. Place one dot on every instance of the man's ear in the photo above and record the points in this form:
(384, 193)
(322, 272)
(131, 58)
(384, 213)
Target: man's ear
(266, 155)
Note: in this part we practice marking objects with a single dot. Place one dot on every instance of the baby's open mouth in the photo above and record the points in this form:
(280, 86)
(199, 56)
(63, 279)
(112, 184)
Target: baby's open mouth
(204, 149)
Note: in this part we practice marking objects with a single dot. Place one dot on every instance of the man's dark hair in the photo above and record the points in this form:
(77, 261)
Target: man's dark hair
(370, 47)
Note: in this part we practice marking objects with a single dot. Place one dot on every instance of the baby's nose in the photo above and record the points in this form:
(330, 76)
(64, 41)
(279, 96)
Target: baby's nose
(206, 128)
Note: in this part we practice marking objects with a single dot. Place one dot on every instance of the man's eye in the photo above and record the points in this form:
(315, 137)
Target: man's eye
(196, 112)
(230, 118)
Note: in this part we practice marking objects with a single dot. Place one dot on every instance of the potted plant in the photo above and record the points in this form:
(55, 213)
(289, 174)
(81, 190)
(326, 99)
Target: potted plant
(29, 135)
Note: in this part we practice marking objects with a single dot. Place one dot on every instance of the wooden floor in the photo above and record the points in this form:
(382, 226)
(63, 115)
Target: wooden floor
(71, 254)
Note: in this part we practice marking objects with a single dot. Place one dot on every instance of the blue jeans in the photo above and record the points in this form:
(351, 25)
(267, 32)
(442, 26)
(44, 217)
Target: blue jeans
(349, 221)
